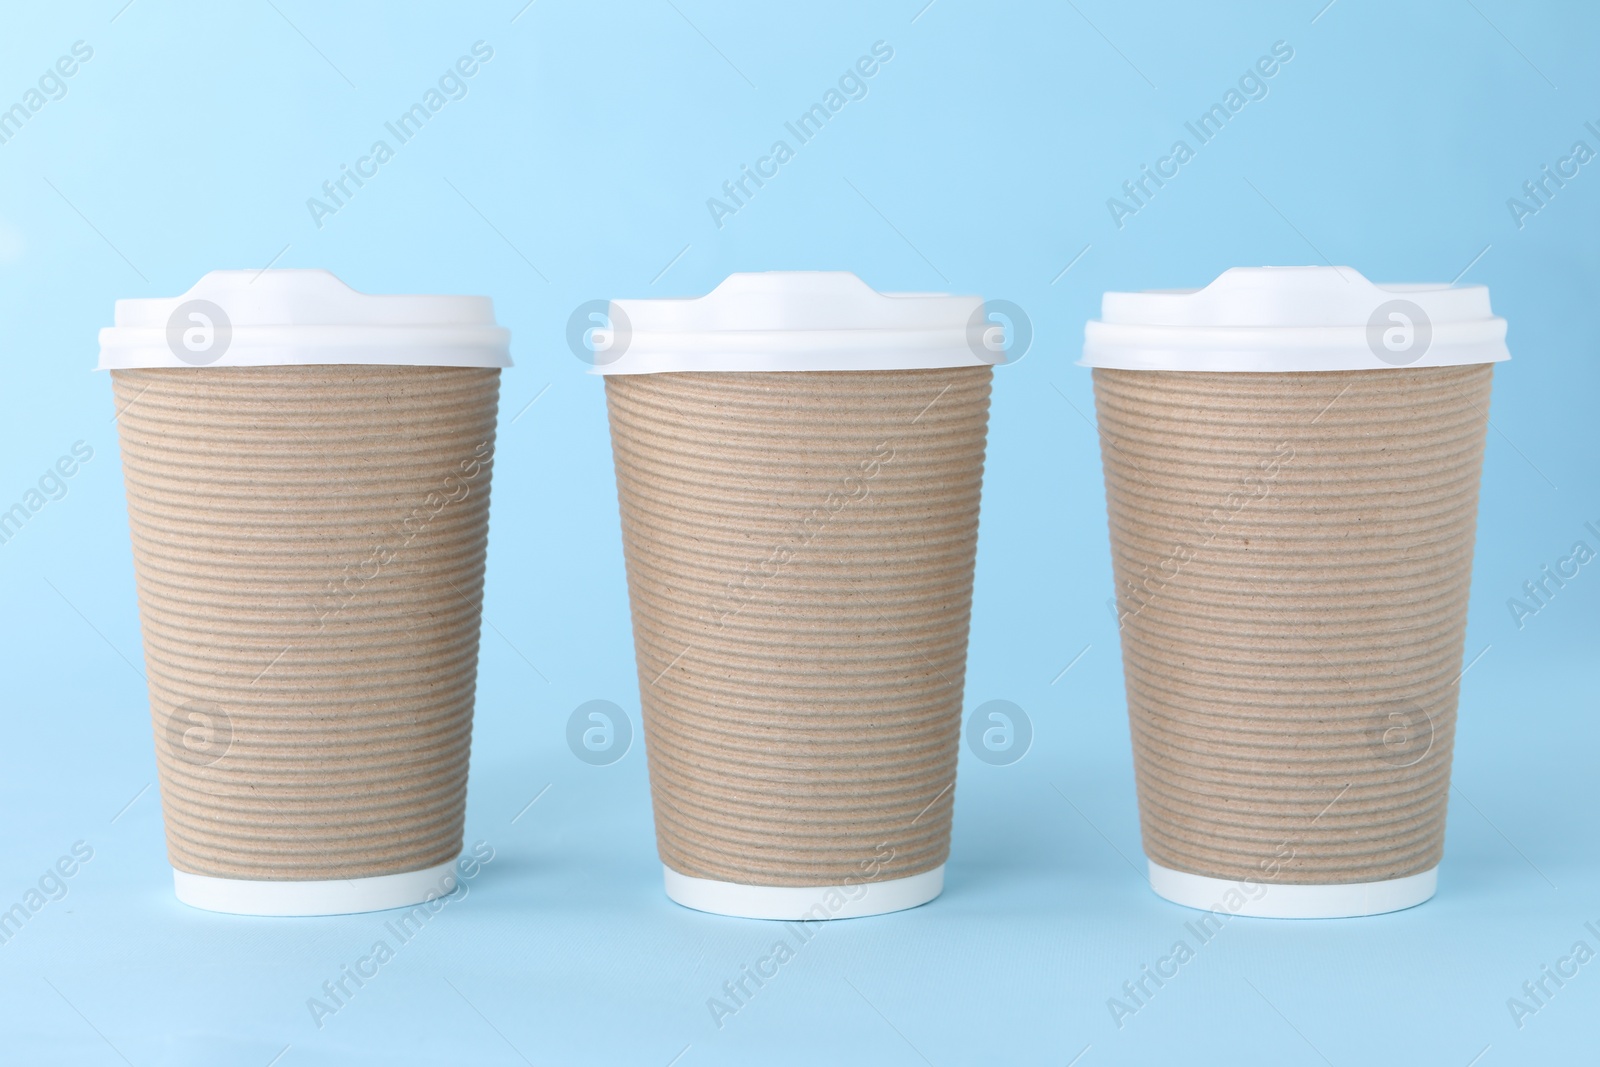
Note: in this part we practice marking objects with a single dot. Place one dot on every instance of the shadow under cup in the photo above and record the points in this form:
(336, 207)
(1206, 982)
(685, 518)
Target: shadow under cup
(309, 546)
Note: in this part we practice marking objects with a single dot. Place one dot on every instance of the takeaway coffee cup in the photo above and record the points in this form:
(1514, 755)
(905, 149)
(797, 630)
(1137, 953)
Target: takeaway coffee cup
(1292, 458)
(307, 473)
(798, 463)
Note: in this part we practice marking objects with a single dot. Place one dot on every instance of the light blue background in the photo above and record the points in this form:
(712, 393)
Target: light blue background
(578, 167)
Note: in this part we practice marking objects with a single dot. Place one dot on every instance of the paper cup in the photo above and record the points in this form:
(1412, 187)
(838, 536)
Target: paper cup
(1292, 530)
(799, 542)
(309, 515)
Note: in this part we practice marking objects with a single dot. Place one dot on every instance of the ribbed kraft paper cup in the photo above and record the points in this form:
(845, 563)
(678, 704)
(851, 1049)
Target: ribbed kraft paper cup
(1292, 553)
(309, 545)
(799, 548)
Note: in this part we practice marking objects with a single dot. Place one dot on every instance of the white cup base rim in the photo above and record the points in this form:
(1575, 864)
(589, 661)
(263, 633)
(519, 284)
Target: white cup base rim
(803, 902)
(339, 896)
(1280, 900)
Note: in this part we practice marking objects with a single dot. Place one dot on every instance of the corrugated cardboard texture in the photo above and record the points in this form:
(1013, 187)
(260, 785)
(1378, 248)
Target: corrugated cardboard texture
(800, 550)
(309, 548)
(1292, 556)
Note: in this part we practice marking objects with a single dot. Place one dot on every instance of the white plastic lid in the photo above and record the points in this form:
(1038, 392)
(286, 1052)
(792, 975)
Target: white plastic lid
(796, 321)
(248, 318)
(1295, 319)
